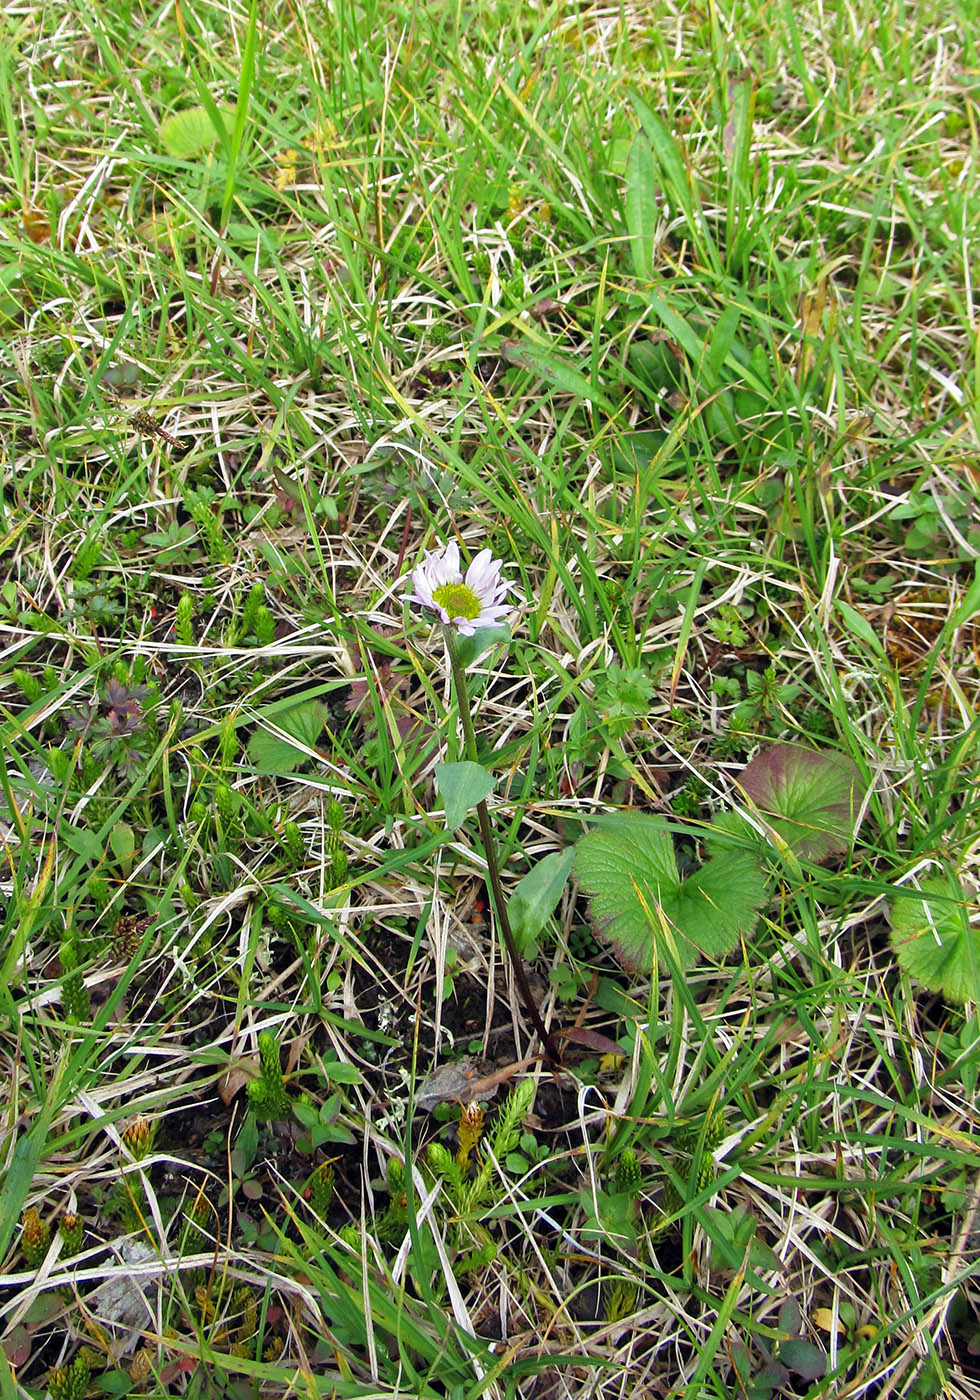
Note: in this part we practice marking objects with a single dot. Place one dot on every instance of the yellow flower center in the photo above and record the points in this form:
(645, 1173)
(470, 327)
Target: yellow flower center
(458, 599)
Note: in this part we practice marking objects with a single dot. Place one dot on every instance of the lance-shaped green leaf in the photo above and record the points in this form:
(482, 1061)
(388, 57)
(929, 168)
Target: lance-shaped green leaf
(935, 941)
(556, 372)
(638, 899)
(641, 206)
(531, 904)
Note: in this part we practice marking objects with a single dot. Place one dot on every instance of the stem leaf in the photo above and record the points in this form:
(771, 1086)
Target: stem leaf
(536, 895)
(462, 786)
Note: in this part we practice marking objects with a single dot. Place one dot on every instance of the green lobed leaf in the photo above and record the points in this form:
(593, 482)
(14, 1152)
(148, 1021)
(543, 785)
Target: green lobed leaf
(638, 900)
(718, 903)
(934, 940)
(461, 786)
(810, 799)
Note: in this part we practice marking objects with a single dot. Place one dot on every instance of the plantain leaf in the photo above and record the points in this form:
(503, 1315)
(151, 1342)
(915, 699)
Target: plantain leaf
(934, 940)
(556, 372)
(639, 902)
(641, 206)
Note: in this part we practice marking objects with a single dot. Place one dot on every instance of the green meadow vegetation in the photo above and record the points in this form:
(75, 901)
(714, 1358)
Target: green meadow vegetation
(587, 1006)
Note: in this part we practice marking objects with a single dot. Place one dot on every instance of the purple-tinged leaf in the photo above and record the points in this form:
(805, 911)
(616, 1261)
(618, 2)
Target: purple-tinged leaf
(790, 1317)
(811, 800)
(804, 1358)
(592, 1040)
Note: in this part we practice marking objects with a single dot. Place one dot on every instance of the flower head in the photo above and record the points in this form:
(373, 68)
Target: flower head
(465, 602)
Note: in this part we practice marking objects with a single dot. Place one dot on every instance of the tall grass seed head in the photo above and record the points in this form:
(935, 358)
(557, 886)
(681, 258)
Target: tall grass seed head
(463, 601)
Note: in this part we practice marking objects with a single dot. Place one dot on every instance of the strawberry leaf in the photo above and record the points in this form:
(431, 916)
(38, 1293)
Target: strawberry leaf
(934, 940)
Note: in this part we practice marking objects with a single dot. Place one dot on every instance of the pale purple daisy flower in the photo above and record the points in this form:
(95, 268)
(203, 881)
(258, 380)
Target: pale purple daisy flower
(465, 602)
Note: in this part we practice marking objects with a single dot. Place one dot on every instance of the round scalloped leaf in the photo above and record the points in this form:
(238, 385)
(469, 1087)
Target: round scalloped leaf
(810, 799)
(627, 866)
(934, 940)
(191, 132)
